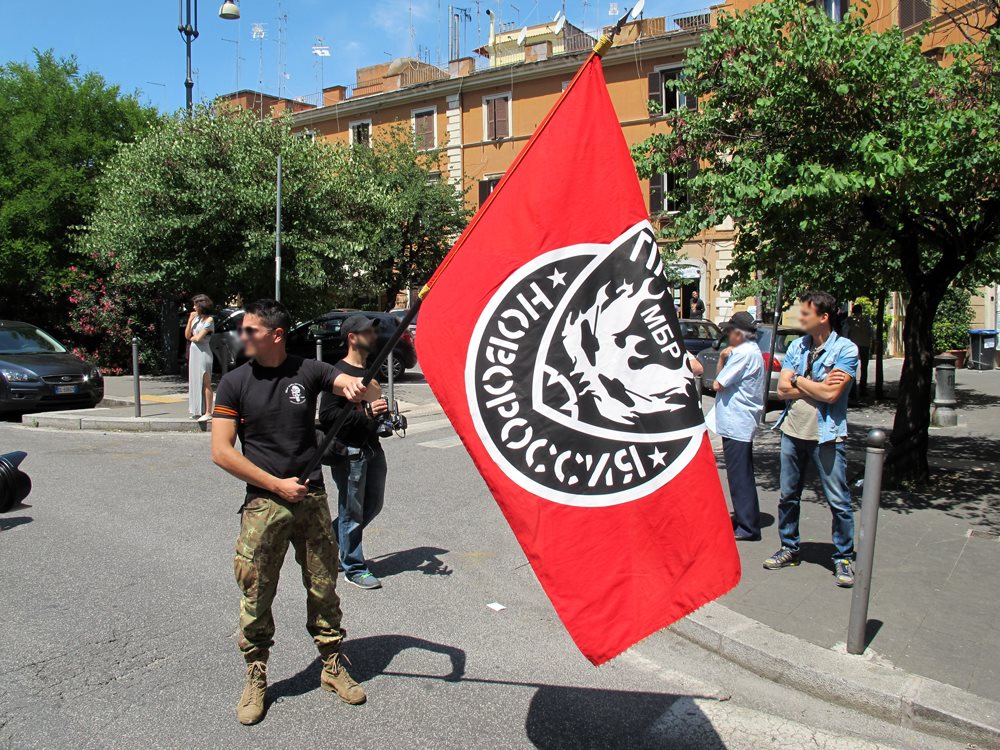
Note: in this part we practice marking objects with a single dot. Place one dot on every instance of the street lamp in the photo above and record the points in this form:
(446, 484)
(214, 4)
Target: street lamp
(187, 25)
(230, 11)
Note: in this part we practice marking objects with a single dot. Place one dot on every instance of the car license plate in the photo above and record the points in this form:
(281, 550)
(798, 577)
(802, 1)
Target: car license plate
(62, 390)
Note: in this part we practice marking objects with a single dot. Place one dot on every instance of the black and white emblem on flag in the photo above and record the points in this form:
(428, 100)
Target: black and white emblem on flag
(576, 375)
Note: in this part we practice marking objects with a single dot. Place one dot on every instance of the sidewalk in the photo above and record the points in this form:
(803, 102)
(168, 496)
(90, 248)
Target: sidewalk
(164, 406)
(935, 603)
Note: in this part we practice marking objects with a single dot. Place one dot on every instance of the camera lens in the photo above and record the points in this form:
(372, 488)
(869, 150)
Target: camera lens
(15, 485)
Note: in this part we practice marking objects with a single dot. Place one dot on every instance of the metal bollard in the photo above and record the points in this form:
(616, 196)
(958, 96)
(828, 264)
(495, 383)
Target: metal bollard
(135, 377)
(870, 499)
(319, 350)
(945, 414)
(392, 379)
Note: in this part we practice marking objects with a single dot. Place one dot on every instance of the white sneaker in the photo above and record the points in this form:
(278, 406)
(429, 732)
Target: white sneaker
(205, 418)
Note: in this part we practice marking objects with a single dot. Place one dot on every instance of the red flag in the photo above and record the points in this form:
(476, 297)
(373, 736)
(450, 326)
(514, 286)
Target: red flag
(550, 339)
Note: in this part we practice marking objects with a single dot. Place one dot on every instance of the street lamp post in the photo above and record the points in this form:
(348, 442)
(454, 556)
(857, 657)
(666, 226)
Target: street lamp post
(187, 26)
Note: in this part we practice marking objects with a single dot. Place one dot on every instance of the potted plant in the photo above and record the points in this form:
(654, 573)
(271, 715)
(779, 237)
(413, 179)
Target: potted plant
(951, 325)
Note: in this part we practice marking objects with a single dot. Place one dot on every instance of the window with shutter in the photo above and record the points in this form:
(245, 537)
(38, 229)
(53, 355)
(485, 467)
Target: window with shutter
(496, 111)
(361, 133)
(655, 94)
(655, 194)
(423, 129)
(912, 12)
(486, 187)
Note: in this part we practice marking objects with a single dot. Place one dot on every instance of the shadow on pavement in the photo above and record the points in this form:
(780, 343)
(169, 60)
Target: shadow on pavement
(9, 523)
(571, 717)
(558, 716)
(366, 659)
(817, 553)
(422, 559)
(969, 494)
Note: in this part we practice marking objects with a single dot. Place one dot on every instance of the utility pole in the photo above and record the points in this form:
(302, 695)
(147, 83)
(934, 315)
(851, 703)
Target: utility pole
(277, 238)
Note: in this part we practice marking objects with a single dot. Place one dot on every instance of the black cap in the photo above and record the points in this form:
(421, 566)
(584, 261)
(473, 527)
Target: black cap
(356, 324)
(743, 321)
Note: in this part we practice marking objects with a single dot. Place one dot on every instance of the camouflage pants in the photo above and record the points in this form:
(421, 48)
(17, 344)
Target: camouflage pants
(267, 527)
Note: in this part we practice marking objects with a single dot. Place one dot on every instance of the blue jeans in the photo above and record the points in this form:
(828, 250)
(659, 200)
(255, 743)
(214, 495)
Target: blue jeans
(831, 462)
(360, 494)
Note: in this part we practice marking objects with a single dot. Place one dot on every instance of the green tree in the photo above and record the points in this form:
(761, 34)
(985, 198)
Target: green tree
(59, 129)
(409, 213)
(849, 161)
(191, 208)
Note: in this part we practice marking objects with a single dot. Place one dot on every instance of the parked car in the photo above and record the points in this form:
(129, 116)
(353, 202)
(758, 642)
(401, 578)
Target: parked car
(302, 340)
(399, 314)
(225, 340)
(709, 357)
(37, 372)
(699, 334)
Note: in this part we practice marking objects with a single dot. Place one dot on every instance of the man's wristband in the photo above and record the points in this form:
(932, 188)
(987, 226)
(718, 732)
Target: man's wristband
(795, 380)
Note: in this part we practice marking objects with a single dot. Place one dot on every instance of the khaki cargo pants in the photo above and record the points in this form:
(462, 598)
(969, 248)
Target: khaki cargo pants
(267, 527)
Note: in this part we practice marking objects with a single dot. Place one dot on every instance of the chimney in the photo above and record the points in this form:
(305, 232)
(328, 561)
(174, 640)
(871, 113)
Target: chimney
(538, 52)
(461, 67)
(334, 94)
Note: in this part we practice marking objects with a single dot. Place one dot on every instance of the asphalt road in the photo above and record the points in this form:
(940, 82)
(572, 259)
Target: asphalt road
(118, 614)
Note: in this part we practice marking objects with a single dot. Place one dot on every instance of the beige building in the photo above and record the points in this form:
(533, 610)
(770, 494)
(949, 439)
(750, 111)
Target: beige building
(479, 117)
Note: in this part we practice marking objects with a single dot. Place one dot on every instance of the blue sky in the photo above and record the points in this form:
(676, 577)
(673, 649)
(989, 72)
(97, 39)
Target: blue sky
(135, 43)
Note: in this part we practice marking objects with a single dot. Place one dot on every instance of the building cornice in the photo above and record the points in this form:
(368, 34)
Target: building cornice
(494, 77)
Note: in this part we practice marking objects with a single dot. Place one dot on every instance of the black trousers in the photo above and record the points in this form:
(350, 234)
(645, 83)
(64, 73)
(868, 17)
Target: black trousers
(864, 357)
(742, 486)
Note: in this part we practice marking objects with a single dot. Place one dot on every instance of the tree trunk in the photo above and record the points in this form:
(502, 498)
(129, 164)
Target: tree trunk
(907, 459)
(880, 344)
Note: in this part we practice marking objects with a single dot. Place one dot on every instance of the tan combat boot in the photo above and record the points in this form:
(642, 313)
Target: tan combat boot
(335, 679)
(250, 709)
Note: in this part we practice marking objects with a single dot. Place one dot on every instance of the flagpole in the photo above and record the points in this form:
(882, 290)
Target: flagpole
(600, 48)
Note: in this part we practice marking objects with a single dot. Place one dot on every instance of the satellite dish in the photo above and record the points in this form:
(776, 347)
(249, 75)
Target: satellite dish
(522, 36)
(560, 24)
(637, 10)
(557, 15)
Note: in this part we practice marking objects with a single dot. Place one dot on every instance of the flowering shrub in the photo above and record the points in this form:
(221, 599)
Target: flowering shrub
(104, 316)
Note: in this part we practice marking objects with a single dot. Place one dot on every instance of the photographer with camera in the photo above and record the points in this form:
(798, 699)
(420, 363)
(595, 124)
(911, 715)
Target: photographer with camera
(356, 459)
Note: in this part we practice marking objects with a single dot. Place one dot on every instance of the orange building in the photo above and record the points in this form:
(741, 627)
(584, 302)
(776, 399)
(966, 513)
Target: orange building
(478, 118)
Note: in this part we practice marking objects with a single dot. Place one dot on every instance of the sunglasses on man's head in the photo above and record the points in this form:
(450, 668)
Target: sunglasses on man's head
(251, 330)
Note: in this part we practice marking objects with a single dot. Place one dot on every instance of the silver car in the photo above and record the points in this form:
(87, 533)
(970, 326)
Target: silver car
(225, 341)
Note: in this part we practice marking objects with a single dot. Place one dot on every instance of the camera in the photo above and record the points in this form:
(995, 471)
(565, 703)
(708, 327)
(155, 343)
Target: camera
(389, 422)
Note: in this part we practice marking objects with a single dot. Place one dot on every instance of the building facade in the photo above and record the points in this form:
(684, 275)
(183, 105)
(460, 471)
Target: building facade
(477, 118)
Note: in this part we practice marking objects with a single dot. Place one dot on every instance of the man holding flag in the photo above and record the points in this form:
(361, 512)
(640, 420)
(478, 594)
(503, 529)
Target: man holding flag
(577, 406)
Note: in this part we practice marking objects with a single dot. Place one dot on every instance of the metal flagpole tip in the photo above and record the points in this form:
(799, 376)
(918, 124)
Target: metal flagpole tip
(877, 438)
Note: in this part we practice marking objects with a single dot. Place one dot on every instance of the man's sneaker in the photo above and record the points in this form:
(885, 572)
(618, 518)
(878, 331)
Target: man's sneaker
(250, 709)
(783, 558)
(843, 571)
(335, 679)
(364, 580)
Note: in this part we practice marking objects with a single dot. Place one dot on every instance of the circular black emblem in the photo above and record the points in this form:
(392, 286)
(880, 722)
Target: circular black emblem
(576, 375)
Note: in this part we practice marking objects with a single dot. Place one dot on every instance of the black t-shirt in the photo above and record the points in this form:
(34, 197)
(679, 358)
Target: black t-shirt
(275, 411)
(358, 431)
(697, 309)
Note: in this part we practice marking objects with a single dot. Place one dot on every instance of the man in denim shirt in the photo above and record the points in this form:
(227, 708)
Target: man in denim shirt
(815, 382)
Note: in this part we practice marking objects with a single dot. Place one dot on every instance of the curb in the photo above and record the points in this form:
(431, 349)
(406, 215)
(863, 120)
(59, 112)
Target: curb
(87, 420)
(856, 682)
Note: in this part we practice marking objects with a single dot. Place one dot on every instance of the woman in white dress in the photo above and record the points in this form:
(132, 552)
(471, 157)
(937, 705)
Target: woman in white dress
(199, 327)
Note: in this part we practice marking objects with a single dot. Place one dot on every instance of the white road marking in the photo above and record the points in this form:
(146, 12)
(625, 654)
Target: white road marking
(448, 442)
(429, 426)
